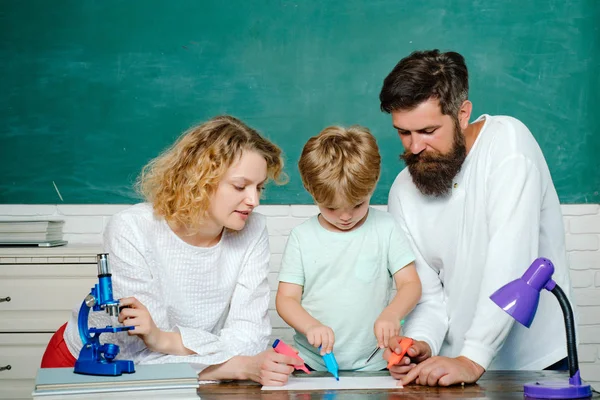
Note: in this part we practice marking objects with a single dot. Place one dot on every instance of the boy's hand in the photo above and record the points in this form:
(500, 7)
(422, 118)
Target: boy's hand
(321, 335)
(386, 327)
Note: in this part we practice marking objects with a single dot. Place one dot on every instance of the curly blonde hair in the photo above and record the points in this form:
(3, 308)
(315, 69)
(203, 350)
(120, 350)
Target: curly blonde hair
(340, 164)
(180, 182)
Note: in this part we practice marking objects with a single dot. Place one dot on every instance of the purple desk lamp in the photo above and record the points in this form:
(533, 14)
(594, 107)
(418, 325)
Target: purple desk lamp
(520, 299)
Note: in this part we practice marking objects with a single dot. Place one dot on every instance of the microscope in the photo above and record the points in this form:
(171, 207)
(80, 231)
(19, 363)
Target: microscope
(95, 358)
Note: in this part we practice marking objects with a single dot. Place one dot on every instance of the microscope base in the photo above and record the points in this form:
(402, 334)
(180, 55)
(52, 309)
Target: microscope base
(113, 368)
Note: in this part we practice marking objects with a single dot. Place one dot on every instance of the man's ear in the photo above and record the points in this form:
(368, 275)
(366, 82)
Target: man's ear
(464, 114)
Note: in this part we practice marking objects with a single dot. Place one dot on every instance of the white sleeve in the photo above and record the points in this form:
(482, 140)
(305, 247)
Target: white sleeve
(247, 327)
(428, 321)
(513, 207)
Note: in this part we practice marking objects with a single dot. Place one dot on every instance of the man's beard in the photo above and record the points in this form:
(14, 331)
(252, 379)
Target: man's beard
(433, 174)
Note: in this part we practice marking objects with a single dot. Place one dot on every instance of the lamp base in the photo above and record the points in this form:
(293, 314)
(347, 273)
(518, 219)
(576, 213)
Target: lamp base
(556, 390)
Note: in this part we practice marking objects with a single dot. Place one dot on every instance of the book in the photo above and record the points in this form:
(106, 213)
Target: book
(31, 232)
(161, 379)
(30, 236)
(27, 226)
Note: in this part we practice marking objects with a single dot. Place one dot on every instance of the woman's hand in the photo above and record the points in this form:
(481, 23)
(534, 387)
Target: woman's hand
(134, 313)
(269, 368)
(321, 335)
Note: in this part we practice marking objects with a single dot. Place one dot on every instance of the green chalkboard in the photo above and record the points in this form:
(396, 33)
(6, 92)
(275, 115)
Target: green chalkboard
(90, 90)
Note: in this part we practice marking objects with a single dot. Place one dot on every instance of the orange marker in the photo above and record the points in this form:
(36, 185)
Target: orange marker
(283, 348)
(395, 359)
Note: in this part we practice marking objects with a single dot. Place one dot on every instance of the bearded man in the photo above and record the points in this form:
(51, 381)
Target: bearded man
(478, 205)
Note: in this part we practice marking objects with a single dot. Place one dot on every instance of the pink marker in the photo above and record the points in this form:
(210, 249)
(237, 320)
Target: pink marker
(283, 348)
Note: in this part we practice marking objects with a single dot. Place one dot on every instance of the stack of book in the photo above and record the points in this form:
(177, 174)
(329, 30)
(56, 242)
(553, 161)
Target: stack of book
(43, 233)
(166, 381)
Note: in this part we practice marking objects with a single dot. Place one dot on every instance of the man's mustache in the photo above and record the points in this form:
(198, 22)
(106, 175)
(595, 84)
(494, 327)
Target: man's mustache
(411, 158)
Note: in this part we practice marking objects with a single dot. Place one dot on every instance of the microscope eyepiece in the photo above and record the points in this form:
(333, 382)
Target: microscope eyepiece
(103, 268)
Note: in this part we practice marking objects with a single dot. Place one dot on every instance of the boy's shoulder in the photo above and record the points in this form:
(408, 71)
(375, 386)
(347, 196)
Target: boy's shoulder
(382, 218)
(307, 227)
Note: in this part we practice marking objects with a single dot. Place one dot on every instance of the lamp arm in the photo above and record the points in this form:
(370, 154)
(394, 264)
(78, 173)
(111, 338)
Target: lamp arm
(570, 329)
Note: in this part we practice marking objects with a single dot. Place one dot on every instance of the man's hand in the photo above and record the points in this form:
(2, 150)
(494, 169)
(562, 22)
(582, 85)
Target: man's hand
(418, 352)
(444, 371)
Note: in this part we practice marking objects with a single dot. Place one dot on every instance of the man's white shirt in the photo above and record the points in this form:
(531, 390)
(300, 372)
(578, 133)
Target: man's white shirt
(502, 213)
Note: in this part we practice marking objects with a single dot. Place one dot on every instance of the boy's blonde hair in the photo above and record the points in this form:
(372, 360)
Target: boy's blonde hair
(180, 181)
(340, 164)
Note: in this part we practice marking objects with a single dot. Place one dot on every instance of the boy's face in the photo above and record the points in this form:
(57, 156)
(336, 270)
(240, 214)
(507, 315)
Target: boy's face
(343, 217)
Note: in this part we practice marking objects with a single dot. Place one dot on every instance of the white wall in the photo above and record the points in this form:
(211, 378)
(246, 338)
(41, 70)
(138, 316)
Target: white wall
(85, 223)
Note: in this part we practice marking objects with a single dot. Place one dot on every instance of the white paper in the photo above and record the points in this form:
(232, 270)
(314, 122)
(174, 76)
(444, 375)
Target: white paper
(345, 382)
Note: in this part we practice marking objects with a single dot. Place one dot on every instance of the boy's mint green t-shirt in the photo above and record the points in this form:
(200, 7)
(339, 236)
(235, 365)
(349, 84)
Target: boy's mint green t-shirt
(347, 280)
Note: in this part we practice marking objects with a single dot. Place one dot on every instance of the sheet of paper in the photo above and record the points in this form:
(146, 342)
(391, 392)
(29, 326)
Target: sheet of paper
(345, 382)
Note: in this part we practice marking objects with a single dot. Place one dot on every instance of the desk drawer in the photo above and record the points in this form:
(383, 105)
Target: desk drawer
(23, 352)
(42, 296)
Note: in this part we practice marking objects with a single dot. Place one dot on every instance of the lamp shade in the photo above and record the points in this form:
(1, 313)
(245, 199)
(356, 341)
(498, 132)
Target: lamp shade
(520, 297)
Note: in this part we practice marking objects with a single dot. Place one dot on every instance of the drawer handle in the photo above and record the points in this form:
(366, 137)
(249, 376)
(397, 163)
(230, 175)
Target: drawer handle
(2, 300)
(7, 368)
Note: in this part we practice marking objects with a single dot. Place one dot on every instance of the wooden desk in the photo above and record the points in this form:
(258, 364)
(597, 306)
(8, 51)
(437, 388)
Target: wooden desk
(493, 385)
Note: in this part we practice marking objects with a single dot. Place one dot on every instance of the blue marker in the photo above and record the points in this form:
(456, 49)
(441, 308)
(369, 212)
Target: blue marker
(331, 364)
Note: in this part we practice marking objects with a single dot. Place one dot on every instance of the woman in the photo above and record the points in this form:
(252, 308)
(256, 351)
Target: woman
(191, 263)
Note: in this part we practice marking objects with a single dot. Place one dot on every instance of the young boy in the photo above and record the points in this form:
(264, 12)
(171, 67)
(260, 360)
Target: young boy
(336, 274)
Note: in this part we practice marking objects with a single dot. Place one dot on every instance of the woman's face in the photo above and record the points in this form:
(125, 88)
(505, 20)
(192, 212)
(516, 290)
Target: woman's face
(239, 191)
